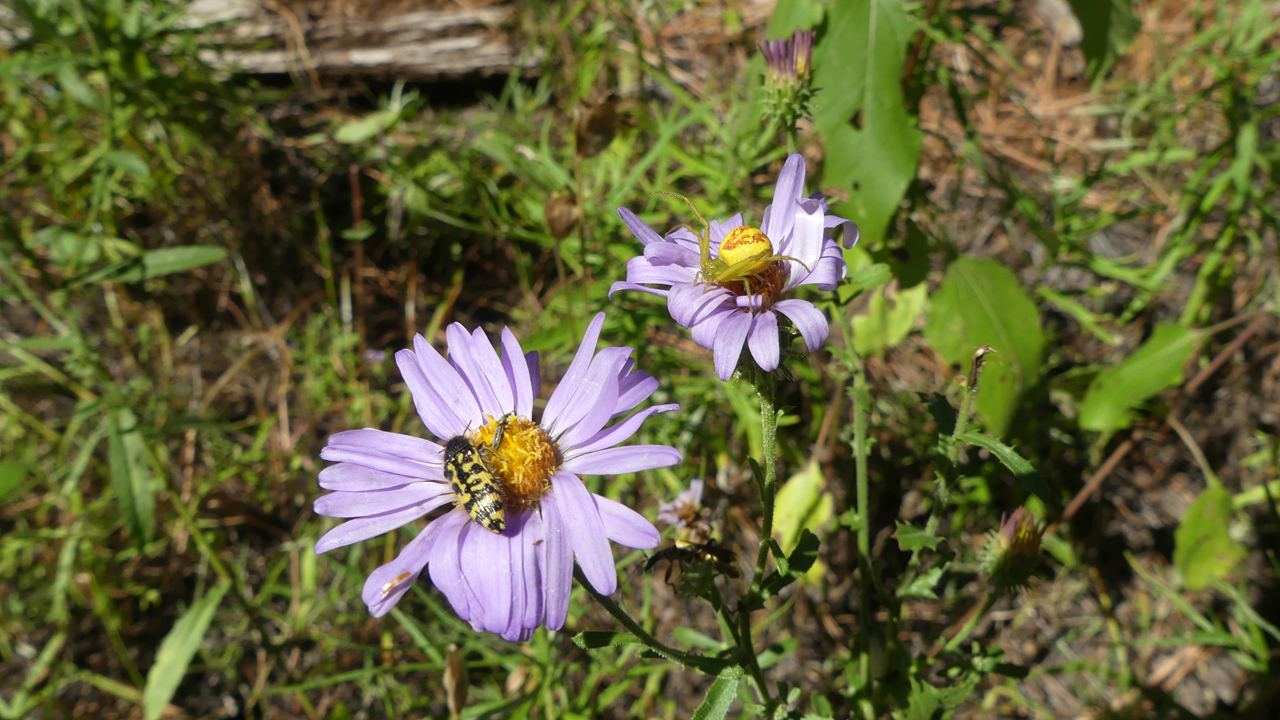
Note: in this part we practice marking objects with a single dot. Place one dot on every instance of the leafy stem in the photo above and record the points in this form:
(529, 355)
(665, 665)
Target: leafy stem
(973, 620)
(634, 627)
(766, 390)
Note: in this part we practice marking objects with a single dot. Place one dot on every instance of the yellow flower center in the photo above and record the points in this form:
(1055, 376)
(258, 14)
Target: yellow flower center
(744, 242)
(522, 463)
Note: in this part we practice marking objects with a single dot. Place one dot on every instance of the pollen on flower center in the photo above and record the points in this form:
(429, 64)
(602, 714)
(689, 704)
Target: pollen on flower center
(523, 463)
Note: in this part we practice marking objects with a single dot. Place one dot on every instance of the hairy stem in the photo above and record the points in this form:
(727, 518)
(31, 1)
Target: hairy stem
(766, 389)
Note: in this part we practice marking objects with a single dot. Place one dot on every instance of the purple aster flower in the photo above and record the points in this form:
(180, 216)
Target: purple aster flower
(790, 58)
(688, 504)
(729, 289)
(512, 581)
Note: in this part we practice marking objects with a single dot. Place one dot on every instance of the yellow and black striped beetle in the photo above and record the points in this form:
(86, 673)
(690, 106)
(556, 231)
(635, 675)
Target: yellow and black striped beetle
(473, 483)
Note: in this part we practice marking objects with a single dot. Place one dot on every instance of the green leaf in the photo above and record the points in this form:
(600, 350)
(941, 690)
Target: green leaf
(1108, 27)
(130, 163)
(12, 475)
(864, 279)
(720, 696)
(1156, 366)
(872, 144)
(803, 503)
(76, 88)
(367, 127)
(981, 303)
(175, 653)
(911, 538)
(154, 264)
(791, 15)
(592, 639)
(922, 586)
(1012, 460)
(796, 565)
(1203, 550)
(131, 475)
(884, 326)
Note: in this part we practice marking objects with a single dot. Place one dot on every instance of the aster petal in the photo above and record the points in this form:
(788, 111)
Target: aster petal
(586, 533)
(808, 319)
(622, 285)
(728, 343)
(486, 568)
(618, 460)
(487, 357)
(350, 477)
(393, 464)
(595, 398)
(353, 531)
(557, 576)
(643, 232)
(641, 270)
(850, 229)
(515, 552)
(448, 385)
(626, 526)
(376, 502)
(439, 416)
(782, 213)
(704, 331)
(530, 540)
(619, 433)
(633, 388)
(831, 268)
(382, 442)
(684, 237)
(805, 245)
(464, 356)
(690, 303)
(517, 372)
(386, 585)
(444, 563)
(535, 372)
(763, 341)
(669, 253)
(720, 229)
(559, 400)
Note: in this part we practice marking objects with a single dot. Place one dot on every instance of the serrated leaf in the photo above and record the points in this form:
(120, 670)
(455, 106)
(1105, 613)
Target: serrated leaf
(175, 653)
(154, 264)
(1203, 550)
(797, 564)
(887, 320)
(803, 503)
(720, 696)
(1153, 368)
(864, 279)
(872, 144)
(981, 303)
(922, 586)
(131, 476)
(1108, 26)
(592, 639)
(911, 538)
(1012, 460)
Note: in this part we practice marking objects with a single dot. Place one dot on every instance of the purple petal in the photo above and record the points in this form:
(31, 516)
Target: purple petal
(626, 526)
(728, 343)
(662, 254)
(704, 331)
(808, 319)
(782, 213)
(486, 568)
(376, 502)
(382, 442)
(463, 355)
(851, 232)
(577, 370)
(448, 385)
(519, 592)
(385, 463)
(643, 233)
(690, 303)
(619, 433)
(684, 237)
(618, 460)
(720, 229)
(445, 561)
(641, 270)
(484, 354)
(594, 399)
(621, 285)
(763, 341)
(350, 477)
(633, 389)
(440, 417)
(353, 531)
(558, 570)
(531, 542)
(586, 532)
(805, 245)
(386, 585)
(517, 372)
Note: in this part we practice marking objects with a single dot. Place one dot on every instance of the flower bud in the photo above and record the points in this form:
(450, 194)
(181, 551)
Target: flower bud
(1014, 550)
(787, 82)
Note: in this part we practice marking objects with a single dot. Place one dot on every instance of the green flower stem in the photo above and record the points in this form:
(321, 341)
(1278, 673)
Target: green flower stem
(766, 389)
(973, 620)
(864, 521)
(633, 627)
